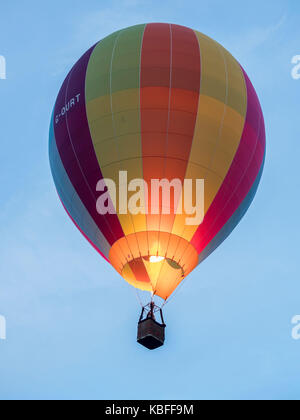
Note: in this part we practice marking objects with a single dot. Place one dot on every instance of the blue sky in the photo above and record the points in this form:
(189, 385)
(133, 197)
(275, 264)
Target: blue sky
(71, 320)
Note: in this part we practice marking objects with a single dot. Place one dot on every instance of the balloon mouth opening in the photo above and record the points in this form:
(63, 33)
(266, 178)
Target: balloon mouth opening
(154, 273)
(155, 259)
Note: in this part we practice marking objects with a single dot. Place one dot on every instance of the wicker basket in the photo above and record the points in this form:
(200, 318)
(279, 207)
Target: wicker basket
(151, 334)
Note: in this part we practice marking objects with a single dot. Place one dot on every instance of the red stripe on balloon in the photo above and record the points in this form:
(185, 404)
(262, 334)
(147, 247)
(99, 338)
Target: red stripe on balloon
(170, 85)
(139, 270)
(184, 100)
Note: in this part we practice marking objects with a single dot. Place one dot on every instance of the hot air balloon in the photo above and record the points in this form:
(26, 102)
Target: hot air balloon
(156, 103)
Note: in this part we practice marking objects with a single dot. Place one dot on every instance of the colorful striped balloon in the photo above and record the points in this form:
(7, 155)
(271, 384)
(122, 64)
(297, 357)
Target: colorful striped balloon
(158, 101)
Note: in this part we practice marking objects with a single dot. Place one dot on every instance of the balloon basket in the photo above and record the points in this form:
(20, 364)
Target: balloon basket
(151, 334)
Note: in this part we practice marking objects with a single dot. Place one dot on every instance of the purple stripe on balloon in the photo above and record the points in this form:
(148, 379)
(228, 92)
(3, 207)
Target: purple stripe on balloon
(255, 115)
(72, 202)
(76, 148)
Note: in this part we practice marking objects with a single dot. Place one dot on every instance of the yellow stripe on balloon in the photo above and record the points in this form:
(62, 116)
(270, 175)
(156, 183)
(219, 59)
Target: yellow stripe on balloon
(114, 118)
(219, 125)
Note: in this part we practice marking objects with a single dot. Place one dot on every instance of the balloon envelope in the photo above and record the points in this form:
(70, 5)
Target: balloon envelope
(156, 101)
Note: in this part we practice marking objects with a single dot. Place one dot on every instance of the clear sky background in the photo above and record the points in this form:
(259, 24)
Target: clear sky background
(71, 319)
